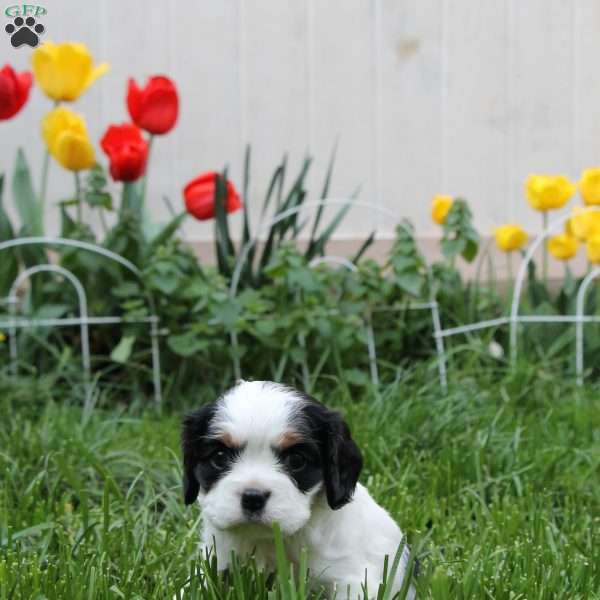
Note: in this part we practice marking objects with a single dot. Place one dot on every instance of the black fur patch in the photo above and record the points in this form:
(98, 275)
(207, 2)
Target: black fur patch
(207, 471)
(195, 445)
(341, 459)
(311, 473)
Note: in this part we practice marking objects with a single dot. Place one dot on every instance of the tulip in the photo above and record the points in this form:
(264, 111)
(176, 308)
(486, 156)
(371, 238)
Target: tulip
(66, 137)
(510, 237)
(563, 246)
(583, 223)
(199, 196)
(440, 207)
(14, 91)
(65, 71)
(155, 107)
(127, 151)
(589, 185)
(593, 249)
(548, 192)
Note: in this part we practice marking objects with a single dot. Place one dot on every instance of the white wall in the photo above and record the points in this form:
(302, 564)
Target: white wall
(425, 96)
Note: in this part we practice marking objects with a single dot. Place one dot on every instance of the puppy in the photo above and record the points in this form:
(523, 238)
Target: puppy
(265, 453)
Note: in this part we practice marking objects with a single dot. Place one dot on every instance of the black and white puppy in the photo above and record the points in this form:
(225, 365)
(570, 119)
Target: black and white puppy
(265, 453)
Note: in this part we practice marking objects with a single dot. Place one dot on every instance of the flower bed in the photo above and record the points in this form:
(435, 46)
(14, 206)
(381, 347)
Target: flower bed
(290, 320)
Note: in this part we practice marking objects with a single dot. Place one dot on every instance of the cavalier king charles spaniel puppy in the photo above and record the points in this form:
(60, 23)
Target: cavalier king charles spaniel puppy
(265, 453)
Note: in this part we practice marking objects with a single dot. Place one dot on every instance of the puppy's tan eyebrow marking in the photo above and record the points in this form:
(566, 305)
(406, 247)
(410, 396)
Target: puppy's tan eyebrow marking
(288, 439)
(228, 440)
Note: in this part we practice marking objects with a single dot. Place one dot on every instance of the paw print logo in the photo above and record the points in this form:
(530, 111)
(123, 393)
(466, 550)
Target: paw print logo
(24, 31)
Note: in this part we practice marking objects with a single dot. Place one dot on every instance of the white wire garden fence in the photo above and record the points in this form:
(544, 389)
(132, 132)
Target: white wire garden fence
(513, 320)
(84, 320)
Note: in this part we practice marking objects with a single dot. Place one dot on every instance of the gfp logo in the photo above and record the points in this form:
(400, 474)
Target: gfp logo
(24, 28)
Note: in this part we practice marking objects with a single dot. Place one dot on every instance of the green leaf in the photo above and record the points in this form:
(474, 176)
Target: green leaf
(165, 276)
(276, 180)
(408, 264)
(460, 237)
(294, 198)
(99, 199)
(364, 247)
(356, 377)
(68, 225)
(226, 313)
(26, 200)
(411, 283)
(167, 232)
(470, 251)
(52, 311)
(127, 289)
(224, 245)
(247, 271)
(324, 195)
(265, 327)
(122, 351)
(453, 247)
(126, 238)
(321, 243)
(246, 227)
(9, 266)
(187, 344)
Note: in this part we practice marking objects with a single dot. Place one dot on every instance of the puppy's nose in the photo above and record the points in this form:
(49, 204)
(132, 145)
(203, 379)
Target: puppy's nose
(254, 500)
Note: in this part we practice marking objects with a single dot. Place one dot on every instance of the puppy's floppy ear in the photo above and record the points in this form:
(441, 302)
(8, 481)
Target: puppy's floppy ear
(194, 430)
(342, 462)
(341, 459)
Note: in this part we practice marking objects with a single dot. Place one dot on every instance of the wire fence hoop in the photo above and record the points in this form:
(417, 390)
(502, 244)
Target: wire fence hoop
(514, 318)
(315, 205)
(84, 320)
(580, 319)
(83, 317)
(552, 228)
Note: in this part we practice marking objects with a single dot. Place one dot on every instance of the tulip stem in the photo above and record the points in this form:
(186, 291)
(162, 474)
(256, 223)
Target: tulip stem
(145, 179)
(44, 181)
(78, 197)
(102, 220)
(44, 184)
(545, 254)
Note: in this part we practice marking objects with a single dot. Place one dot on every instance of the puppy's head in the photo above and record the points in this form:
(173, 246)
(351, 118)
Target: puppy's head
(262, 452)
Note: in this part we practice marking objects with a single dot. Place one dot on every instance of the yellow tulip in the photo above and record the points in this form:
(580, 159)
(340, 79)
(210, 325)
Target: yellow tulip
(66, 136)
(547, 192)
(65, 71)
(2, 337)
(593, 249)
(510, 237)
(563, 246)
(440, 207)
(589, 185)
(583, 224)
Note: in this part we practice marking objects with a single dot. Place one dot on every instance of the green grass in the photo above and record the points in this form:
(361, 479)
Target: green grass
(497, 485)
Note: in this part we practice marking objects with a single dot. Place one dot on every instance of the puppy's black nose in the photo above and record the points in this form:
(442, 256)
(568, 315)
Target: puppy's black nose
(254, 500)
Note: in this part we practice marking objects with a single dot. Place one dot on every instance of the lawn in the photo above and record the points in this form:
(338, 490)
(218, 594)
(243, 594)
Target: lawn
(497, 485)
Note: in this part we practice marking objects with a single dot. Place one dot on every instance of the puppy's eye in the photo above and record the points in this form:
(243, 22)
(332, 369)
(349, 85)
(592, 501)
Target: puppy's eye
(218, 460)
(295, 461)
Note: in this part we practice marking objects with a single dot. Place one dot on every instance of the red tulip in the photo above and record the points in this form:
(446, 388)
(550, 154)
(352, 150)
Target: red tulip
(155, 107)
(199, 195)
(14, 91)
(127, 151)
